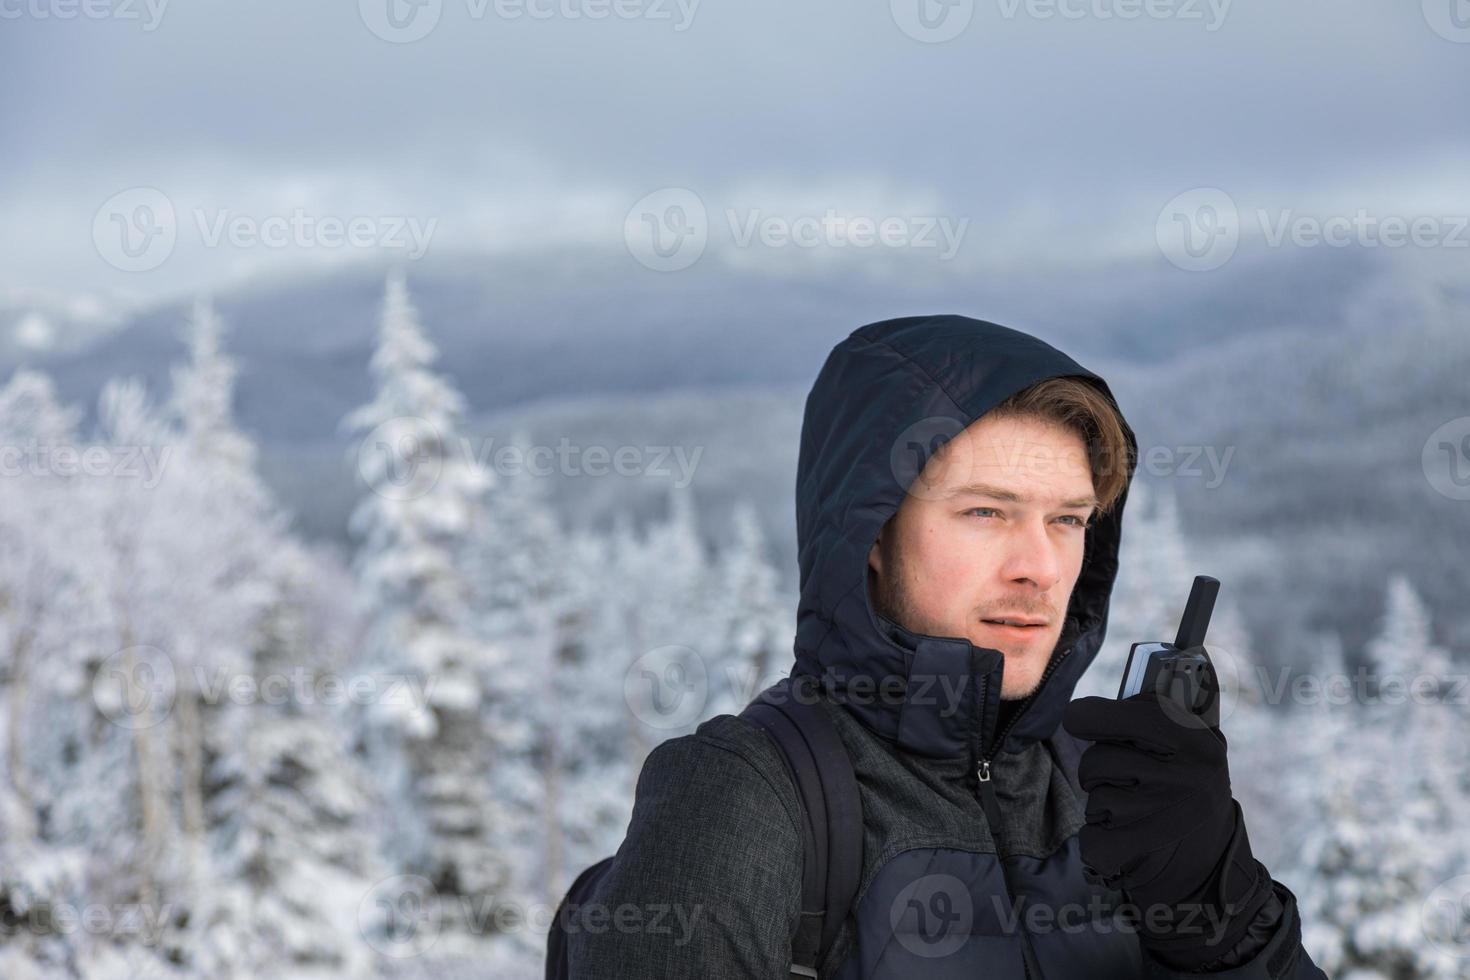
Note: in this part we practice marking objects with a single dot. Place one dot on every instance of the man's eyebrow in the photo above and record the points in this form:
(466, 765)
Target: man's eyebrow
(1000, 493)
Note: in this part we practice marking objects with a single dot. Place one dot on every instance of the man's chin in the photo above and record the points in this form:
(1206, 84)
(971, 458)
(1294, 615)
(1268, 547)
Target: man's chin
(1017, 695)
(1014, 688)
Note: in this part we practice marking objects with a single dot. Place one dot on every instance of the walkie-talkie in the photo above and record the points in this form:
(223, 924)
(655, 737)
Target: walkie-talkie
(1180, 672)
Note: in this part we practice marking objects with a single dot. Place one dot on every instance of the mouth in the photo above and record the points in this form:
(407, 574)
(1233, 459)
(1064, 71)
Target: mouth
(1014, 626)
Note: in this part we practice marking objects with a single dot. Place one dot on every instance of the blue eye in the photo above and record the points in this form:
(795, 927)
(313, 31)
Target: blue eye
(1079, 521)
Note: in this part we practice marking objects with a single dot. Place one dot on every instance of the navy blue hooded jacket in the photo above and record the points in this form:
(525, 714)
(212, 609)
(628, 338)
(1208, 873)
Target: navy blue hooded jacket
(955, 882)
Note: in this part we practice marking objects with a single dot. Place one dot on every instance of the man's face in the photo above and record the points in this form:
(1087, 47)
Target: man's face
(992, 529)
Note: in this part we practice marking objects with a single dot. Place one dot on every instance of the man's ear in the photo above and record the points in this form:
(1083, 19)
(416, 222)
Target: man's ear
(875, 553)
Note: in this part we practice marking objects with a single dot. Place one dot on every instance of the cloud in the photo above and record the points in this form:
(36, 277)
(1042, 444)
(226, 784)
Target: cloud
(1055, 136)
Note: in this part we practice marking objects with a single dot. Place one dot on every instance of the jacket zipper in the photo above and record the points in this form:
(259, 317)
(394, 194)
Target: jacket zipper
(992, 813)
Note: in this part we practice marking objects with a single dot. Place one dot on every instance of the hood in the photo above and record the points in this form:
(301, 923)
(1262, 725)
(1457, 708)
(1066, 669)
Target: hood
(886, 396)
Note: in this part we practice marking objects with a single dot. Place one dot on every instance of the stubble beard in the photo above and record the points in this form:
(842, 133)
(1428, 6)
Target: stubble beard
(892, 600)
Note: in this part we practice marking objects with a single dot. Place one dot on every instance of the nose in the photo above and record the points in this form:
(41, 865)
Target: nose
(1031, 556)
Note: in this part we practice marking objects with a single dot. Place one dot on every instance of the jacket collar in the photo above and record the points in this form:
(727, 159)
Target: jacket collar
(897, 384)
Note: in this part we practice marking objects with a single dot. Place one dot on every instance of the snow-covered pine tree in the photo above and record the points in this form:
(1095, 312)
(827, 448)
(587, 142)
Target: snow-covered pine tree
(283, 800)
(753, 621)
(34, 575)
(291, 804)
(133, 581)
(518, 567)
(593, 799)
(107, 800)
(40, 596)
(1415, 704)
(224, 533)
(1383, 824)
(665, 612)
(424, 499)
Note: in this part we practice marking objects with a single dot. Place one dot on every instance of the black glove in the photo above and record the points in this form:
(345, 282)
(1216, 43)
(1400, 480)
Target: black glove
(1163, 827)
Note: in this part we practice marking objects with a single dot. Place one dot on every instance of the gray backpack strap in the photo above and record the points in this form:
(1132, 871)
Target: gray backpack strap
(821, 769)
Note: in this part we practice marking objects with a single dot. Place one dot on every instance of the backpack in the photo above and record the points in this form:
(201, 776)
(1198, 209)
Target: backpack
(832, 831)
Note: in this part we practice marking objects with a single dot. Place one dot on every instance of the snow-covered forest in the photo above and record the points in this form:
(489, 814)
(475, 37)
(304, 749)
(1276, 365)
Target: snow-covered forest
(227, 752)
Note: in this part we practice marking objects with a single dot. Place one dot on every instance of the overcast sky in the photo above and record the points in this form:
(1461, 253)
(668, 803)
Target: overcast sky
(1049, 131)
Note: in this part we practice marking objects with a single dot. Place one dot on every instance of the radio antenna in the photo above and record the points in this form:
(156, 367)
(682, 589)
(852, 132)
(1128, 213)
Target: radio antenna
(1197, 613)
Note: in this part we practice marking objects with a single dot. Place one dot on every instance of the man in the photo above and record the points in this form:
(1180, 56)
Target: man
(960, 493)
